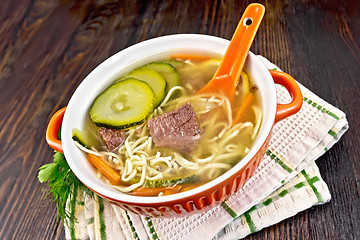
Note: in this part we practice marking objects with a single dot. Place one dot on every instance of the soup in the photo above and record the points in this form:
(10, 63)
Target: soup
(151, 134)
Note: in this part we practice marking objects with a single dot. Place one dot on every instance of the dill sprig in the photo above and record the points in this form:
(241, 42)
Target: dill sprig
(63, 185)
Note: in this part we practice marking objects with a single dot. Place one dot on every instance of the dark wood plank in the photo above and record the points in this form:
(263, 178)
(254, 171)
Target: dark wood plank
(48, 47)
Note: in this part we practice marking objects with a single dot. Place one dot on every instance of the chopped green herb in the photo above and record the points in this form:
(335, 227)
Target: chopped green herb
(62, 185)
(48, 171)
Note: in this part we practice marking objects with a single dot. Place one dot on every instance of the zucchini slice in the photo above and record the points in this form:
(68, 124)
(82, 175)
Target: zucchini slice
(88, 136)
(85, 138)
(123, 105)
(156, 82)
(79, 137)
(171, 182)
(167, 71)
(175, 63)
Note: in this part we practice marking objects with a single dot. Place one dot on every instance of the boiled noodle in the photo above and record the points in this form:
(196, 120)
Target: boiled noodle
(222, 144)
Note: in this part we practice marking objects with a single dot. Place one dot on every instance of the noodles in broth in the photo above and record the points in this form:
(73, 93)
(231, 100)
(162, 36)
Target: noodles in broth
(223, 142)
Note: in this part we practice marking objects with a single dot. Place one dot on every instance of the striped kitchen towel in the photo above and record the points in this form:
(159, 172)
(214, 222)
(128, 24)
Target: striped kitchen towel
(286, 182)
(302, 192)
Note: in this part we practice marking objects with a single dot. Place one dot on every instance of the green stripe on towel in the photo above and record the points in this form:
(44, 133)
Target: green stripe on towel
(299, 185)
(228, 209)
(268, 201)
(152, 229)
(249, 221)
(277, 160)
(72, 213)
(133, 230)
(311, 182)
(283, 193)
(102, 219)
(332, 133)
(90, 220)
(321, 108)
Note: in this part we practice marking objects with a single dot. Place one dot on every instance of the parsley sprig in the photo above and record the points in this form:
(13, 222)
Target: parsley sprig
(63, 185)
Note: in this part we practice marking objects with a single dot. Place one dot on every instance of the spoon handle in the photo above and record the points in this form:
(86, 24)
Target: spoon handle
(227, 76)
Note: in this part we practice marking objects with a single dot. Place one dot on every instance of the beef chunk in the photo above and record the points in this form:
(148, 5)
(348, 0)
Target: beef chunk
(178, 129)
(112, 139)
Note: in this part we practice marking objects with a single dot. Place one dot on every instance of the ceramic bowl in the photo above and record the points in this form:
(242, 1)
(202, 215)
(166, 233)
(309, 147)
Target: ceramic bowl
(195, 200)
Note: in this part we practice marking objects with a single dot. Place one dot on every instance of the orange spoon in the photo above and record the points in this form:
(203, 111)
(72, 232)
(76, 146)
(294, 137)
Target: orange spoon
(227, 76)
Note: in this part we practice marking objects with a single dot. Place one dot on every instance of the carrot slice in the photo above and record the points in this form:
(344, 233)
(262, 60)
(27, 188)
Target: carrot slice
(104, 169)
(189, 57)
(189, 186)
(171, 191)
(244, 107)
(149, 192)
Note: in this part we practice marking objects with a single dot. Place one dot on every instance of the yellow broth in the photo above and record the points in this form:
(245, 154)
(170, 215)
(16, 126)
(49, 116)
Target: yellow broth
(221, 145)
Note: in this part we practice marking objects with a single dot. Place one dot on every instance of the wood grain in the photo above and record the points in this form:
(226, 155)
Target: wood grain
(48, 47)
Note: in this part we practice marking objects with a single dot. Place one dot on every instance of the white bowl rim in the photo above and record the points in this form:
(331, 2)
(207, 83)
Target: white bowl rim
(71, 152)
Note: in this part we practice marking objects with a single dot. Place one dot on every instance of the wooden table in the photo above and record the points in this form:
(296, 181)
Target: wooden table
(48, 47)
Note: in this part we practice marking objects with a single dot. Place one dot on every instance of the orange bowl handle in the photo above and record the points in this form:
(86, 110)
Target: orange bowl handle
(53, 130)
(286, 110)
